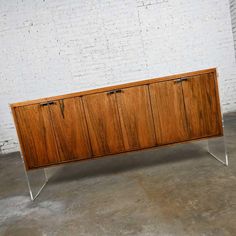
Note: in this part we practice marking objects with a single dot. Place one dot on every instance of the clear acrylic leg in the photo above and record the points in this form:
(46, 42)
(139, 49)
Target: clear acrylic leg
(36, 180)
(217, 148)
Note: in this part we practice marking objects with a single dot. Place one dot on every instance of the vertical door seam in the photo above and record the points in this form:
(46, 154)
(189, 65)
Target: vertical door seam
(150, 103)
(118, 113)
(54, 133)
(186, 117)
(86, 122)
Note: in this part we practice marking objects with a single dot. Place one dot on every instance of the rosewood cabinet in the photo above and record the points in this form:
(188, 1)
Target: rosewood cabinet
(118, 119)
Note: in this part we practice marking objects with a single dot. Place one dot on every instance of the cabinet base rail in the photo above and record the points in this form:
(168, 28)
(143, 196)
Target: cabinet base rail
(38, 178)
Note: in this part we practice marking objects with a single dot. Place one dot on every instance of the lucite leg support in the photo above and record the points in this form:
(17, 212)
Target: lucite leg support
(217, 148)
(36, 180)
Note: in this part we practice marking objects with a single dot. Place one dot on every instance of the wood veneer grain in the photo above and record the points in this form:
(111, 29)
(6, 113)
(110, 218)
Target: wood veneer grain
(37, 136)
(103, 124)
(169, 112)
(70, 129)
(136, 118)
(202, 105)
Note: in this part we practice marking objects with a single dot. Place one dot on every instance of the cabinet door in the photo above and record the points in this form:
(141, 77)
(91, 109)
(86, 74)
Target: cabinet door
(70, 129)
(103, 123)
(202, 106)
(168, 112)
(36, 133)
(136, 117)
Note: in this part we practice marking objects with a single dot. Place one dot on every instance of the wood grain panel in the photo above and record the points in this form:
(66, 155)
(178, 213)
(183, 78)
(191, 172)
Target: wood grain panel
(103, 124)
(70, 129)
(136, 118)
(37, 136)
(202, 107)
(168, 112)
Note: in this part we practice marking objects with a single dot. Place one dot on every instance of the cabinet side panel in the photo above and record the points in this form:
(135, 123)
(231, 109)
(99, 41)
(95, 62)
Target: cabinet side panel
(218, 104)
(22, 149)
(168, 112)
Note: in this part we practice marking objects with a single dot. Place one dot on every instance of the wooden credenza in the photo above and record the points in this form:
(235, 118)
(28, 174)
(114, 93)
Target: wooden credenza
(118, 119)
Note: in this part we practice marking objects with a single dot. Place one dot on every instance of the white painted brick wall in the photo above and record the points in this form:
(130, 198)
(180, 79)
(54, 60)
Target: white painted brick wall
(61, 46)
(233, 19)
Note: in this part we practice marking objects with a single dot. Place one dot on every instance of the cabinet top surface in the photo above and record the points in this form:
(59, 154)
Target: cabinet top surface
(120, 86)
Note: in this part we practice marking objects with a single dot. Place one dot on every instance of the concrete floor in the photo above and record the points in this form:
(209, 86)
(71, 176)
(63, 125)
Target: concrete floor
(179, 190)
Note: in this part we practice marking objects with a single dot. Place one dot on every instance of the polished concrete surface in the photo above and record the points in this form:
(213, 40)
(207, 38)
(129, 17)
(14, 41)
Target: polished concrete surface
(177, 190)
